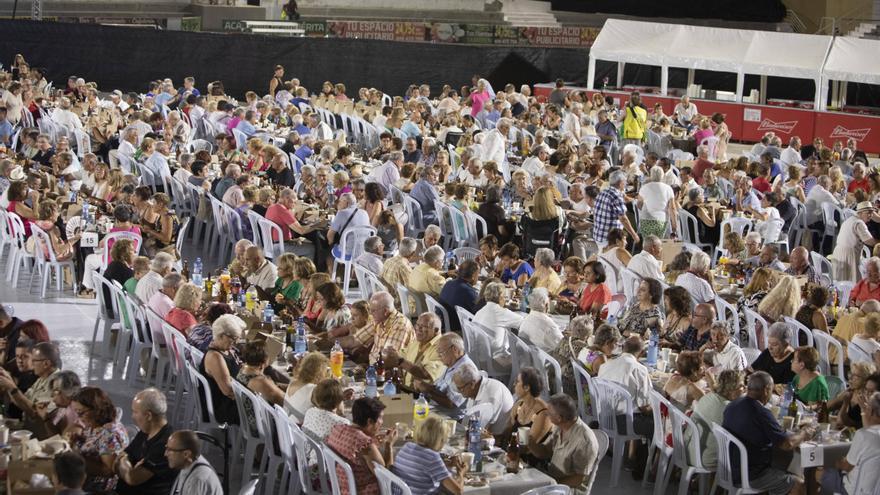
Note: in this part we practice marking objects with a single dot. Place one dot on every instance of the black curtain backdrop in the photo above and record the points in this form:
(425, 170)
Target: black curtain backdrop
(127, 58)
(731, 10)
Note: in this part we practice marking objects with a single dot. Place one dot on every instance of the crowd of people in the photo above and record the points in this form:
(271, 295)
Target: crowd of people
(573, 204)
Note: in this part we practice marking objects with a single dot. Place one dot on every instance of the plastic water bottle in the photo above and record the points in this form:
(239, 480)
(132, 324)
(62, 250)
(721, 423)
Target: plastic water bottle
(336, 360)
(250, 298)
(653, 346)
(524, 300)
(389, 388)
(73, 196)
(85, 211)
(268, 313)
(300, 346)
(421, 409)
(370, 390)
(197, 273)
(612, 320)
(474, 440)
(787, 397)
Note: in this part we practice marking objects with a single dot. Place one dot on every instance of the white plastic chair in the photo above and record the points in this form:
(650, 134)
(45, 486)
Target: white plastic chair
(658, 445)
(844, 289)
(751, 354)
(271, 236)
(435, 306)
(753, 318)
(857, 354)
(609, 396)
(465, 253)
(545, 363)
(389, 483)
(823, 341)
(415, 223)
(863, 484)
(108, 314)
(240, 139)
(335, 465)
(480, 350)
(796, 329)
(631, 281)
(19, 255)
(253, 437)
(727, 311)
(741, 226)
(684, 447)
(307, 450)
(44, 253)
(689, 224)
(724, 474)
(351, 245)
(585, 398)
(822, 265)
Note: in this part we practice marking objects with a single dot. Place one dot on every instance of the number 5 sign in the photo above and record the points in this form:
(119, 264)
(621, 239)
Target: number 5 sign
(812, 455)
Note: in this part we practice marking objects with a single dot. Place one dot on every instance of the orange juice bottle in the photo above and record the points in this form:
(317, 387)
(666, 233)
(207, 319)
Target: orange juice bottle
(336, 359)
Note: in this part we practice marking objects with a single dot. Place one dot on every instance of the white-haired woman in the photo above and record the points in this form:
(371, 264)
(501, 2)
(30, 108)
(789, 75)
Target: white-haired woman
(187, 303)
(496, 318)
(537, 327)
(220, 365)
(697, 280)
(544, 275)
(656, 203)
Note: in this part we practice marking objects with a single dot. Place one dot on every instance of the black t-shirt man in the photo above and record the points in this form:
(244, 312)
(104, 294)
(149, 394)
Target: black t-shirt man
(284, 178)
(152, 452)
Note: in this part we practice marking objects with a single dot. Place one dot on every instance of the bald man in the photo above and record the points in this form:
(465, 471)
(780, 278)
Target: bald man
(800, 265)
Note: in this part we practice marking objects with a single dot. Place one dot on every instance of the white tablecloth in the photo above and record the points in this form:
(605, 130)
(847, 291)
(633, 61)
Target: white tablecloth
(511, 484)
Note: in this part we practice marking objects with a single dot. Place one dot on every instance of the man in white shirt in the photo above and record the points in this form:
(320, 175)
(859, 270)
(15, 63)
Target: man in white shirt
(535, 164)
(196, 476)
(865, 445)
(349, 216)
(495, 147)
(820, 193)
(388, 173)
(537, 327)
(486, 396)
(496, 319)
(571, 124)
(260, 272)
(697, 287)
(647, 264)
(472, 175)
(792, 154)
(627, 371)
(669, 176)
(163, 300)
(65, 117)
(728, 356)
(157, 163)
(371, 259)
(151, 283)
(684, 111)
(578, 198)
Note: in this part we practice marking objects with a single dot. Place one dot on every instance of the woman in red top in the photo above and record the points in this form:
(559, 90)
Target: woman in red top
(363, 443)
(17, 195)
(762, 181)
(596, 294)
(187, 303)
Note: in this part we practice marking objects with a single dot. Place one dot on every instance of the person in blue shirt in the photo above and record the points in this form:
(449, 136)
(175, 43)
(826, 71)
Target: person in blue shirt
(460, 292)
(246, 125)
(305, 151)
(773, 162)
(753, 424)
(512, 267)
(450, 349)
(298, 126)
(5, 128)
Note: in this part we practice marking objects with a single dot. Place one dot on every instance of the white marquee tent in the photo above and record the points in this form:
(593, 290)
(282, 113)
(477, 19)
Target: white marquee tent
(765, 53)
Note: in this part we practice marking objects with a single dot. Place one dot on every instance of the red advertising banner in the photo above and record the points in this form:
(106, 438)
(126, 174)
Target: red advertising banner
(835, 126)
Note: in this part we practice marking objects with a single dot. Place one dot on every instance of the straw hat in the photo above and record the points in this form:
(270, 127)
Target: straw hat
(864, 206)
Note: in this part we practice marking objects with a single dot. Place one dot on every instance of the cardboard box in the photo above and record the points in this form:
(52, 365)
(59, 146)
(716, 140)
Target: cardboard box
(398, 409)
(23, 470)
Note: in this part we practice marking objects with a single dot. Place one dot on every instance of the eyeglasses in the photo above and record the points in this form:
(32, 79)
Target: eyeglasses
(169, 449)
(35, 360)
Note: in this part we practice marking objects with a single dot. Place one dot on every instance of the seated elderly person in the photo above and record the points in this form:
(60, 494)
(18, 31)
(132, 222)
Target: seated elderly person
(420, 360)
(709, 410)
(391, 327)
(537, 327)
(187, 305)
(727, 355)
(697, 280)
(776, 359)
(426, 277)
(142, 468)
(644, 314)
(769, 258)
(371, 259)
(865, 445)
(698, 333)
(163, 301)
(485, 396)
(868, 287)
(46, 362)
(495, 319)
(420, 466)
(450, 348)
(238, 265)
(260, 271)
(460, 292)
(571, 448)
(151, 283)
(751, 422)
(647, 263)
(799, 266)
(856, 325)
(220, 365)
